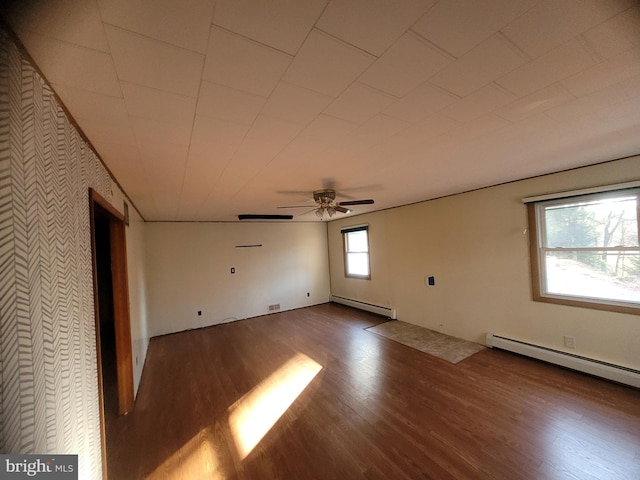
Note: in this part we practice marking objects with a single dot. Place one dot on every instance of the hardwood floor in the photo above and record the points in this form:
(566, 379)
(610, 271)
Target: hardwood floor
(375, 410)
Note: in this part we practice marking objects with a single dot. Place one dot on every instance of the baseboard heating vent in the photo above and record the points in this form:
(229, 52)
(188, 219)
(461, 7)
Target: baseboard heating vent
(617, 373)
(369, 307)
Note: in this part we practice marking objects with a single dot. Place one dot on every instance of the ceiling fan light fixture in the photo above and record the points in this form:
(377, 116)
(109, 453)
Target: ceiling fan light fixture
(326, 204)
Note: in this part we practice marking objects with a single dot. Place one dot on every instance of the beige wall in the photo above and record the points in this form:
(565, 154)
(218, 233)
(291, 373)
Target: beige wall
(189, 264)
(475, 246)
(137, 293)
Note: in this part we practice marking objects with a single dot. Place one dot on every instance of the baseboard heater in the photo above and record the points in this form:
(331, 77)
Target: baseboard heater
(369, 307)
(598, 368)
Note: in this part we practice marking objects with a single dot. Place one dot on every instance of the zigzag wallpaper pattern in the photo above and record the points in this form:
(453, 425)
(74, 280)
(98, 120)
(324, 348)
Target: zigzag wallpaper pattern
(48, 373)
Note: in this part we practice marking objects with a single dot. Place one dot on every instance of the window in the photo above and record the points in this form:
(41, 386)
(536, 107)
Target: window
(585, 250)
(356, 252)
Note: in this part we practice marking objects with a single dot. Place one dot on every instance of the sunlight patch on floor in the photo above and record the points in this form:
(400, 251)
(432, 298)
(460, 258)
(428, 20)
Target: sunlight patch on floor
(251, 417)
(196, 460)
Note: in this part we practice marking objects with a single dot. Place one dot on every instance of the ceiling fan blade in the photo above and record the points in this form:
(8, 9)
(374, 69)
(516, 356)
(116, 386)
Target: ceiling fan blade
(340, 209)
(357, 202)
(260, 216)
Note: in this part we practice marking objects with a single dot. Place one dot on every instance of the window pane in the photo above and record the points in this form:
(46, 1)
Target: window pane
(358, 264)
(603, 275)
(604, 222)
(357, 241)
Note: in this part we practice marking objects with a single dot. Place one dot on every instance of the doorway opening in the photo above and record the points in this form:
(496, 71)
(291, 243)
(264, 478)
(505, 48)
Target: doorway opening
(108, 361)
(111, 305)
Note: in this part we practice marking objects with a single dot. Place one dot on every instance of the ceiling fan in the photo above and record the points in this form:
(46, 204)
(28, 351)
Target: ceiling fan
(325, 200)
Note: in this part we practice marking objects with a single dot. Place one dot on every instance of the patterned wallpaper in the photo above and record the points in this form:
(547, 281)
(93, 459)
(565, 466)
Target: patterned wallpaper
(48, 373)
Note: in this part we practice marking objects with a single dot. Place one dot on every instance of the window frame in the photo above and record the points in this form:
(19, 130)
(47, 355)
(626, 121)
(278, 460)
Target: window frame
(345, 232)
(537, 249)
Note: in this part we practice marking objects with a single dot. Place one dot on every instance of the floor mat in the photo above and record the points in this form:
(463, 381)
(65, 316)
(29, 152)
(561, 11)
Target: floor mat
(438, 344)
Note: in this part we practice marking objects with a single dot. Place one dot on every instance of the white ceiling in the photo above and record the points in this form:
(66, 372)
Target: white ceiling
(205, 110)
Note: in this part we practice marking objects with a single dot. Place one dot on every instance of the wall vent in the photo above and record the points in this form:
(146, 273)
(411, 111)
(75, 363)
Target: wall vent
(274, 307)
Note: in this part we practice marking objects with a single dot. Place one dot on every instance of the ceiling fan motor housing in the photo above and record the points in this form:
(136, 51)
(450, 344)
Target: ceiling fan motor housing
(324, 197)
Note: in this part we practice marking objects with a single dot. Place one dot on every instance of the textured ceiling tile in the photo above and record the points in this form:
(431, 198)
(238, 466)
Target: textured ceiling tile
(598, 101)
(421, 102)
(468, 133)
(100, 131)
(91, 105)
(73, 66)
(479, 103)
(535, 103)
(282, 25)
(272, 131)
(295, 104)
(371, 26)
(72, 21)
(326, 65)
(156, 104)
(201, 174)
(591, 49)
(552, 67)
(163, 153)
(380, 127)
(299, 152)
(350, 147)
(554, 22)
(482, 65)
(151, 63)
(265, 139)
(251, 157)
(612, 70)
(359, 103)
(228, 104)
(149, 130)
(165, 165)
(211, 134)
(327, 128)
(165, 197)
(458, 26)
(124, 162)
(243, 167)
(165, 21)
(616, 35)
(411, 55)
(243, 64)
(432, 126)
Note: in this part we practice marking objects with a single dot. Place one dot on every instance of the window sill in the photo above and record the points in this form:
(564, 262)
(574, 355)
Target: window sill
(610, 306)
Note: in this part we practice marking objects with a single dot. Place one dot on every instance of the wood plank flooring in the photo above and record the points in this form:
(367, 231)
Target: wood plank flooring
(376, 410)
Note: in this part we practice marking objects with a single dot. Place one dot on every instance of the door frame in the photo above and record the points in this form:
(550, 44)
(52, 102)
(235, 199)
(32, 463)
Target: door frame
(122, 321)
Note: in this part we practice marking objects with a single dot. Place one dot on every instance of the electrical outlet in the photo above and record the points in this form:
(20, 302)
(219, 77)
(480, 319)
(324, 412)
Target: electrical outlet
(199, 313)
(569, 342)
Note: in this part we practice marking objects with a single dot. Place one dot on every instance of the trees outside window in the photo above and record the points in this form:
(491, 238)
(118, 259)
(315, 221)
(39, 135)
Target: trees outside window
(586, 250)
